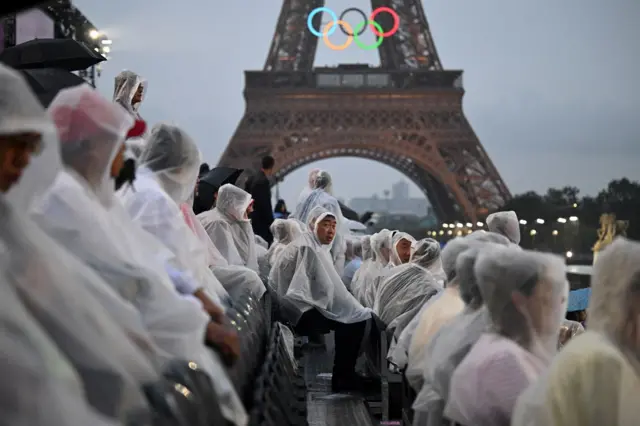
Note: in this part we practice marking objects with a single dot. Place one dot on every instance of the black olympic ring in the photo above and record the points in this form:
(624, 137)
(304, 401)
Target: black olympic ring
(364, 18)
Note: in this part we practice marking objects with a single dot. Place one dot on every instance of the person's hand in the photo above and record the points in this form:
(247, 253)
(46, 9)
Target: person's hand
(225, 340)
(215, 311)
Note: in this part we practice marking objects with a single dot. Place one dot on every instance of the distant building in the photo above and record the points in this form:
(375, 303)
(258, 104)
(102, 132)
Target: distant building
(396, 201)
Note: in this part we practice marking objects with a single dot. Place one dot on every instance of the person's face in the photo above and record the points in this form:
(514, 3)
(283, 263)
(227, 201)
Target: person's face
(249, 208)
(137, 97)
(118, 162)
(403, 248)
(15, 154)
(326, 230)
(547, 305)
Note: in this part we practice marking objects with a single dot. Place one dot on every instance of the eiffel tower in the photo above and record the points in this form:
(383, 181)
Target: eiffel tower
(406, 113)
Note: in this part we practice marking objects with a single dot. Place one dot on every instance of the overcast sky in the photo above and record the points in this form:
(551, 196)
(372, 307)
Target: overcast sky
(552, 87)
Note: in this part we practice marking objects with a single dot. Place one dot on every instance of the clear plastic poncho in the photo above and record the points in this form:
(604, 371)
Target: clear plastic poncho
(505, 223)
(525, 294)
(321, 196)
(407, 288)
(125, 87)
(372, 267)
(367, 253)
(103, 236)
(237, 280)
(111, 352)
(311, 180)
(39, 386)
(229, 227)
(304, 274)
(284, 231)
(371, 292)
(595, 379)
(168, 171)
(428, 256)
(453, 341)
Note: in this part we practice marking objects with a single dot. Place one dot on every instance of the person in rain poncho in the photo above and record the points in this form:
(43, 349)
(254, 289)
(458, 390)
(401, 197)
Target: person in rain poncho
(408, 287)
(321, 195)
(452, 342)
(505, 223)
(284, 232)
(129, 90)
(438, 311)
(525, 294)
(236, 279)
(353, 259)
(39, 387)
(595, 379)
(165, 179)
(371, 263)
(229, 227)
(82, 213)
(311, 181)
(399, 249)
(304, 276)
(101, 337)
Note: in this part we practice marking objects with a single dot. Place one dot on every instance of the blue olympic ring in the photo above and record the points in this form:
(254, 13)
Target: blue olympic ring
(334, 18)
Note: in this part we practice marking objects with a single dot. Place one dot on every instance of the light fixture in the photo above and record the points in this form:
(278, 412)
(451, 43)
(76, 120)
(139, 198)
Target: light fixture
(562, 220)
(459, 233)
(106, 49)
(573, 218)
(533, 232)
(444, 225)
(441, 232)
(449, 232)
(469, 225)
(459, 225)
(107, 42)
(540, 221)
(575, 205)
(94, 34)
(555, 232)
(523, 222)
(479, 224)
(569, 254)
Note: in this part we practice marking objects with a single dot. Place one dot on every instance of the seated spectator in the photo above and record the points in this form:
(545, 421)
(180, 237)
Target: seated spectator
(526, 297)
(304, 277)
(594, 380)
(167, 174)
(408, 287)
(353, 259)
(452, 342)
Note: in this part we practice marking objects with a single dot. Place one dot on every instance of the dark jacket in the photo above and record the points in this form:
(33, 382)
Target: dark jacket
(259, 187)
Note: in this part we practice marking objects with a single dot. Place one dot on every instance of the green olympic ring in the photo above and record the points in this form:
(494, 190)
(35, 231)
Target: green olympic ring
(372, 46)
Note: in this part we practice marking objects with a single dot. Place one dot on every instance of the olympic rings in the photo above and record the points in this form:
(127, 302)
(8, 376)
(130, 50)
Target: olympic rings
(325, 35)
(336, 21)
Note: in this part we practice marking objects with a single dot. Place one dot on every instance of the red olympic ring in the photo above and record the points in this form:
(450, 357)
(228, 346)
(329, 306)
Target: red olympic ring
(396, 21)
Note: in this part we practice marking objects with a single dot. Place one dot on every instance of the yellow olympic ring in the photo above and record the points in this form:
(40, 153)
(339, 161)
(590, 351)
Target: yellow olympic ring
(348, 29)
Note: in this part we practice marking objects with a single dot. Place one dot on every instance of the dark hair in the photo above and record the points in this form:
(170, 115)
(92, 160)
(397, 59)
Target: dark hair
(204, 168)
(127, 173)
(281, 206)
(268, 162)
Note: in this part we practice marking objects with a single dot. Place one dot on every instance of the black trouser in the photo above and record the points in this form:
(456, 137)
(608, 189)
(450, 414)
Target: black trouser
(347, 338)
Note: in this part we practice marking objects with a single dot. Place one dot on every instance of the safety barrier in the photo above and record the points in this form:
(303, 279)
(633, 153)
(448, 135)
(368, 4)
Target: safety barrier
(280, 396)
